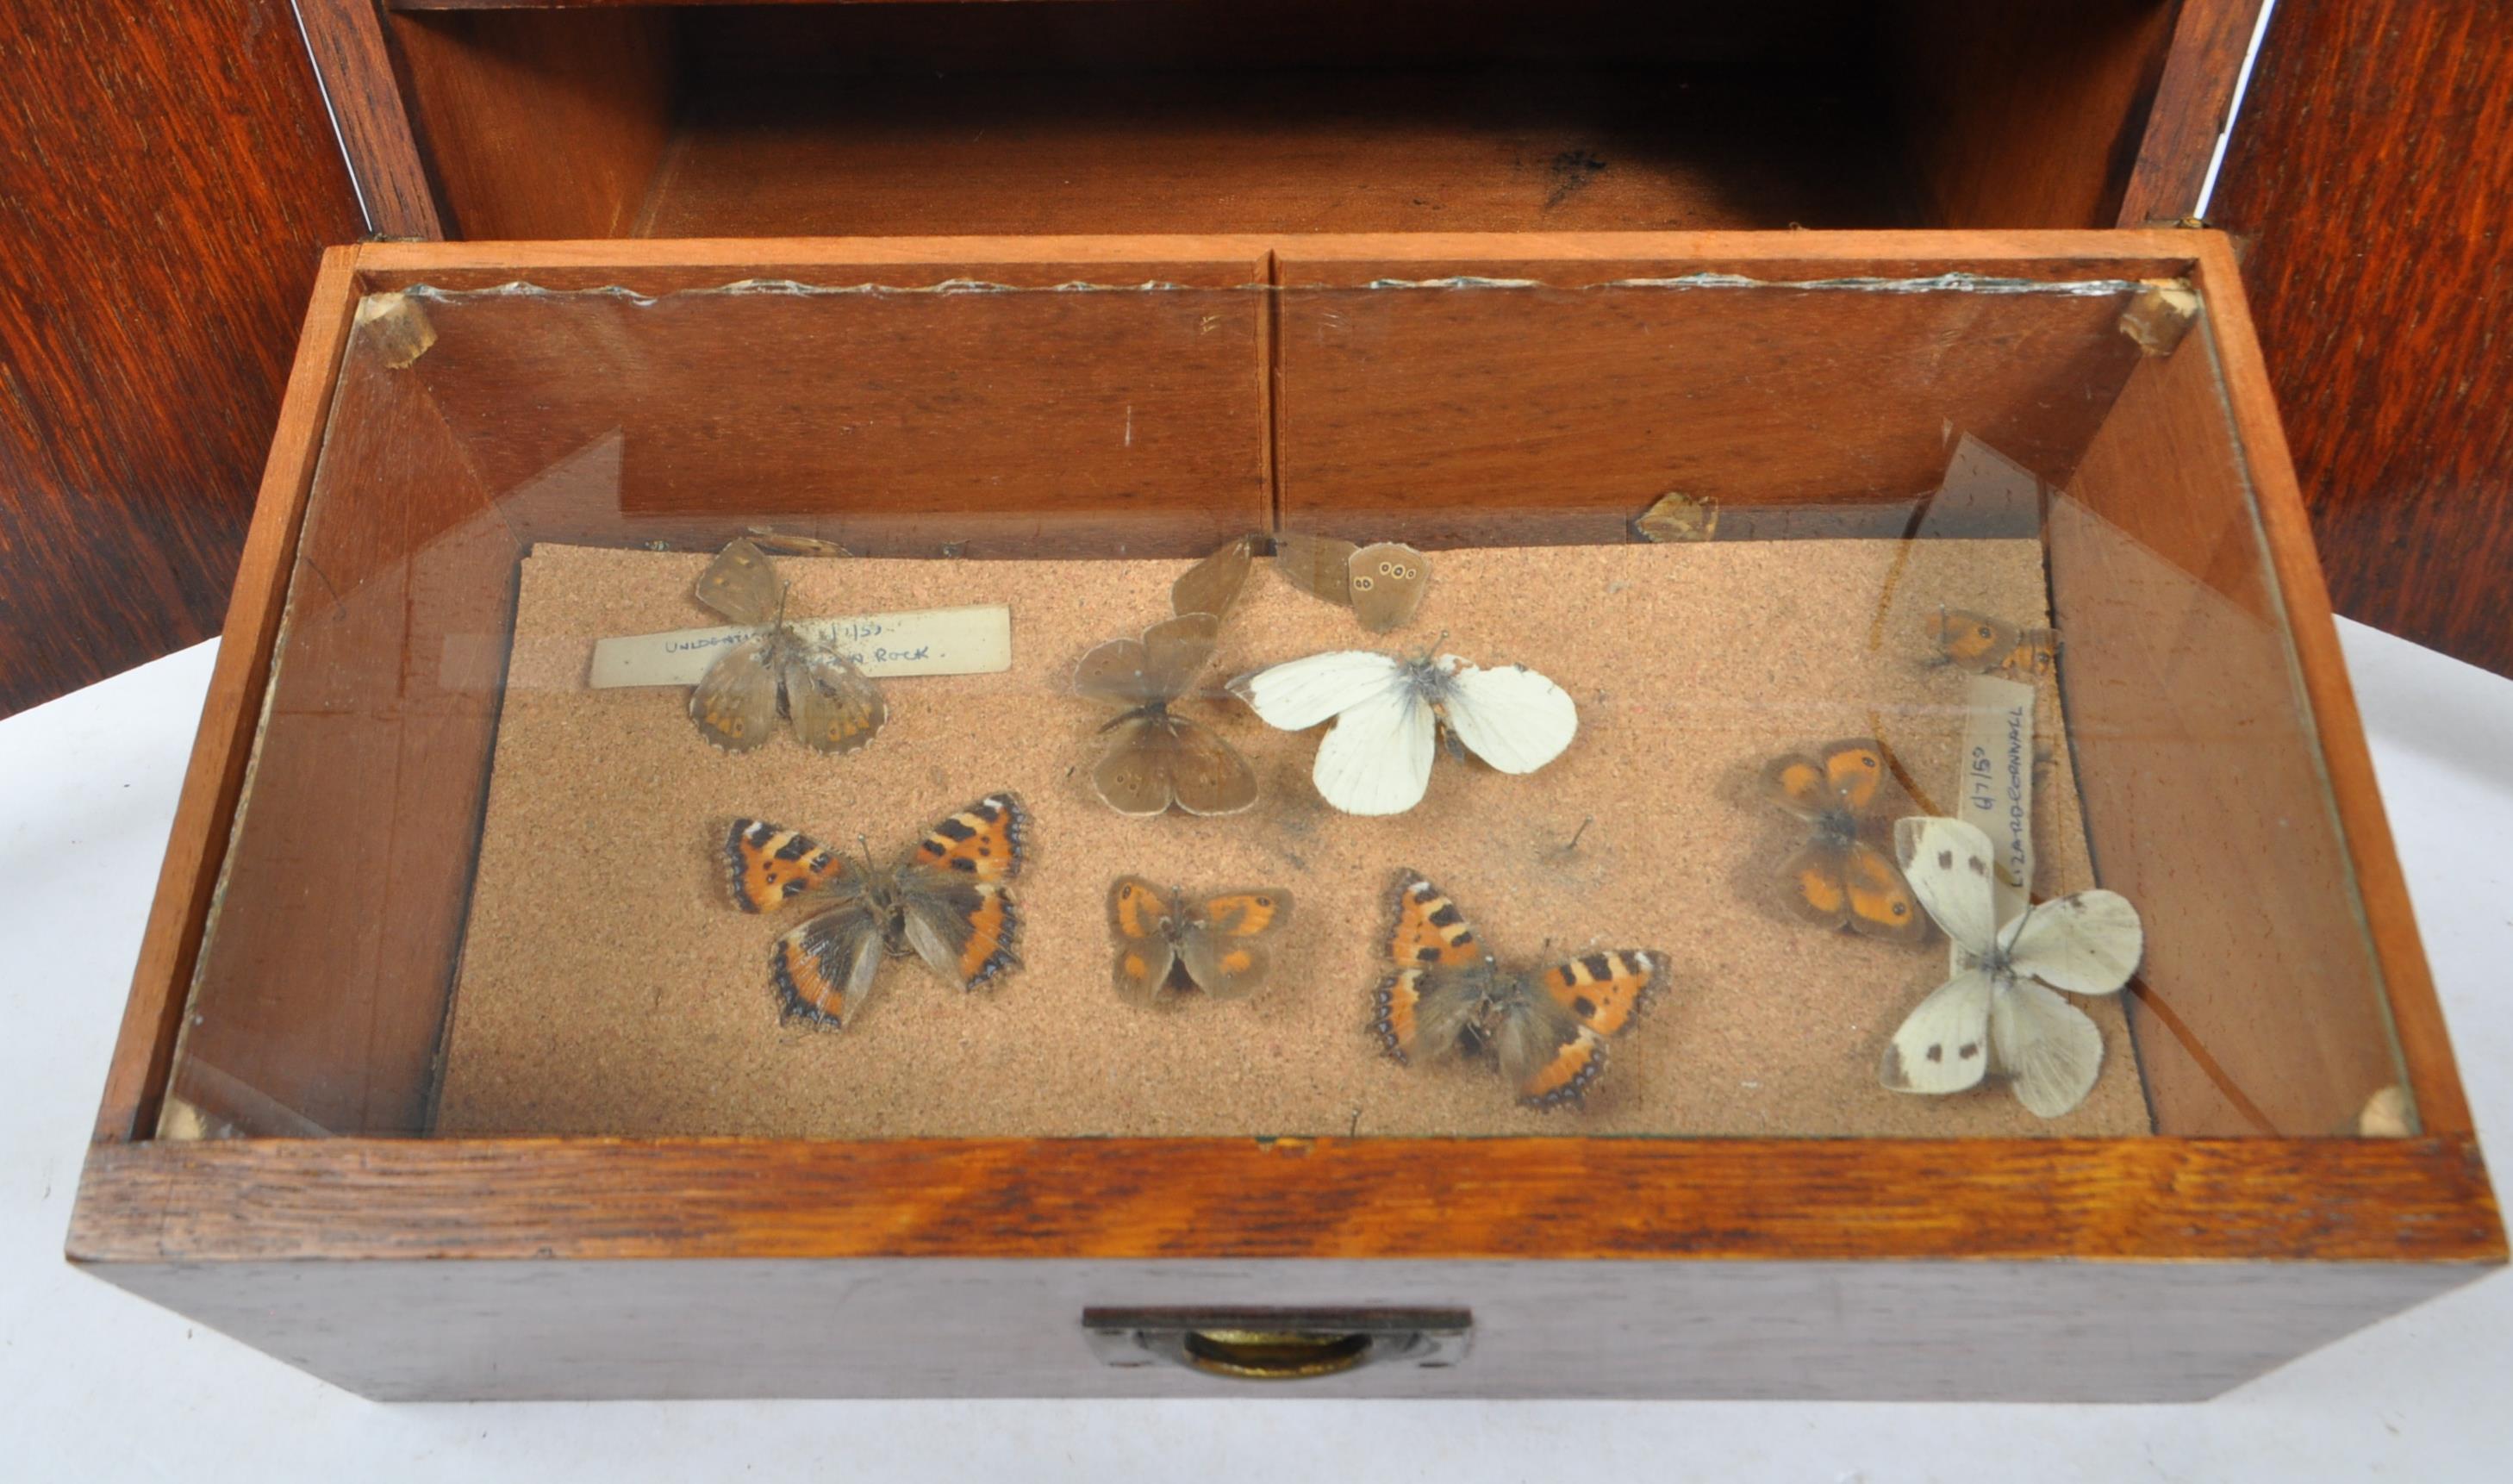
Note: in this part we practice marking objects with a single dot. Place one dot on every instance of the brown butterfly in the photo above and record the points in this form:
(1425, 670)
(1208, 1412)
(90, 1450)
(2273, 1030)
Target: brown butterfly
(1548, 1028)
(1158, 757)
(834, 706)
(1213, 584)
(1838, 879)
(1215, 943)
(943, 901)
(1382, 584)
(1982, 645)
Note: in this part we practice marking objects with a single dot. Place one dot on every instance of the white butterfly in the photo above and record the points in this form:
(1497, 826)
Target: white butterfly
(1998, 1013)
(1377, 757)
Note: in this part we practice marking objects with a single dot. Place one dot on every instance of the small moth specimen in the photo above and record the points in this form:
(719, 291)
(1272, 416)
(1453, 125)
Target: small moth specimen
(1383, 584)
(1678, 517)
(1986, 645)
(1838, 879)
(944, 901)
(834, 706)
(1548, 1028)
(1999, 1015)
(1213, 584)
(1217, 943)
(1388, 712)
(1156, 757)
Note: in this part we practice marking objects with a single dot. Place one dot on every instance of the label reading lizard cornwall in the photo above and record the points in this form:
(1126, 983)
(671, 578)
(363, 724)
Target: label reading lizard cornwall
(1996, 791)
(976, 640)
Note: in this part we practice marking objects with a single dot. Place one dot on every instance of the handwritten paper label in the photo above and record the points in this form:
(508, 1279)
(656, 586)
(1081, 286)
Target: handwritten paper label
(976, 640)
(1997, 785)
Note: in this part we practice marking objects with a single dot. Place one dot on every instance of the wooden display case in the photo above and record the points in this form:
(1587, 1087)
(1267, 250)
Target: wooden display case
(2311, 1167)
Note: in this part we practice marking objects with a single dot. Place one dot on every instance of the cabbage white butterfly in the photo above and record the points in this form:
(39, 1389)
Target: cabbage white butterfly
(1999, 1013)
(1377, 757)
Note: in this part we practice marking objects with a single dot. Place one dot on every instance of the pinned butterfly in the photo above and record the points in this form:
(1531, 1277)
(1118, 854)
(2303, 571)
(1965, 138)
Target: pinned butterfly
(1167, 939)
(1389, 714)
(1448, 996)
(1837, 879)
(1157, 757)
(1981, 644)
(833, 707)
(944, 901)
(1383, 584)
(1999, 1015)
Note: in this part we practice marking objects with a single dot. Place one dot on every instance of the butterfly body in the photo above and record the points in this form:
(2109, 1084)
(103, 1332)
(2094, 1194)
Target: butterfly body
(1217, 943)
(1156, 757)
(1390, 712)
(2000, 1013)
(832, 705)
(1448, 996)
(943, 901)
(1837, 879)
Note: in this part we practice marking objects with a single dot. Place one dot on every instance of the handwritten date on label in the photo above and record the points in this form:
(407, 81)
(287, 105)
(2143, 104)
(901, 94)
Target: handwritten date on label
(1997, 785)
(976, 640)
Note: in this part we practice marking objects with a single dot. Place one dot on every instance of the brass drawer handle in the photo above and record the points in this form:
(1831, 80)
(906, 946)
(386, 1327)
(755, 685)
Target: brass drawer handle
(1277, 1345)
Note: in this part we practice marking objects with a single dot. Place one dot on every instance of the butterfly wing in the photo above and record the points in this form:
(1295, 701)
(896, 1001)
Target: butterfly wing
(1880, 903)
(1546, 1053)
(1431, 999)
(1854, 771)
(1948, 866)
(1299, 693)
(823, 969)
(1175, 648)
(735, 703)
(2046, 1046)
(1606, 991)
(1213, 584)
(1944, 1045)
(1320, 566)
(987, 841)
(1797, 784)
(1114, 673)
(1140, 917)
(2085, 943)
(1387, 582)
(1222, 946)
(1511, 717)
(835, 706)
(770, 865)
(1377, 757)
(1818, 886)
(1970, 641)
(740, 584)
(964, 929)
(1155, 760)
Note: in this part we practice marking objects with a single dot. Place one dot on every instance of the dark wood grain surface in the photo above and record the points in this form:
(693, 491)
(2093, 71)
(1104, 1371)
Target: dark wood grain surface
(2371, 173)
(167, 179)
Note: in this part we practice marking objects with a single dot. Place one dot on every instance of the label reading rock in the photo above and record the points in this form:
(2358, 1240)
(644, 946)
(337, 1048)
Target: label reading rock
(1996, 791)
(976, 640)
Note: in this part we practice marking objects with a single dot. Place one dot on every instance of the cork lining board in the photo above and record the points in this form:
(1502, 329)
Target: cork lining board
(608, 986)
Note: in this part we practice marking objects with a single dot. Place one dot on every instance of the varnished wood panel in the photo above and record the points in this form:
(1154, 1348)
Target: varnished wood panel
(378, 135)
(168, 183)
(2368, 176)
(1741, 1330)
(2194, 100)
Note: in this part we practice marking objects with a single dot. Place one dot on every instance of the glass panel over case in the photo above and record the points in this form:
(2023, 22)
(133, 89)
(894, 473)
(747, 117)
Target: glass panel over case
(1165, 702)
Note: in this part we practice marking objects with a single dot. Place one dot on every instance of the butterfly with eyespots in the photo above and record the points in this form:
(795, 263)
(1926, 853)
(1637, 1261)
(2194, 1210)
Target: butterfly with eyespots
(1383, 584)
(1448, 996)
(1837, 879)
(944, 901)
(1981, 644)
(1217, 943)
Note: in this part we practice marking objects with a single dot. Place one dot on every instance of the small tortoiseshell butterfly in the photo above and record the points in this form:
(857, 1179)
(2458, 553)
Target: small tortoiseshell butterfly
(1981, 645)
(1838, 879)
(1548, 1028)
(835, 708)
(1217, 942)
(944, 902)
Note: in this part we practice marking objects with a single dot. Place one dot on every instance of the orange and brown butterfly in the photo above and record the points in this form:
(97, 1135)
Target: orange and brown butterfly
(1981, 645)
(1838, 879)
(834, 706)
(1383, 584)
(1448, 996)
(1157, 757)
(1169, 938)
(943, 901)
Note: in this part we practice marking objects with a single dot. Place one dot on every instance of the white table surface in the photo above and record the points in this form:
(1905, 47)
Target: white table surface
(98, 1384)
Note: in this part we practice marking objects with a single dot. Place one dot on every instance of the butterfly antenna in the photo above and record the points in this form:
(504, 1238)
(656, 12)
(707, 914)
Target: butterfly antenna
(865, 846)
(783, 593)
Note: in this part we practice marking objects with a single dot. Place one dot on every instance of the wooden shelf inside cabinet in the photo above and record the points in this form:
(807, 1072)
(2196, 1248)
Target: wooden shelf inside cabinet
(2155, 1267)
(565, 121)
